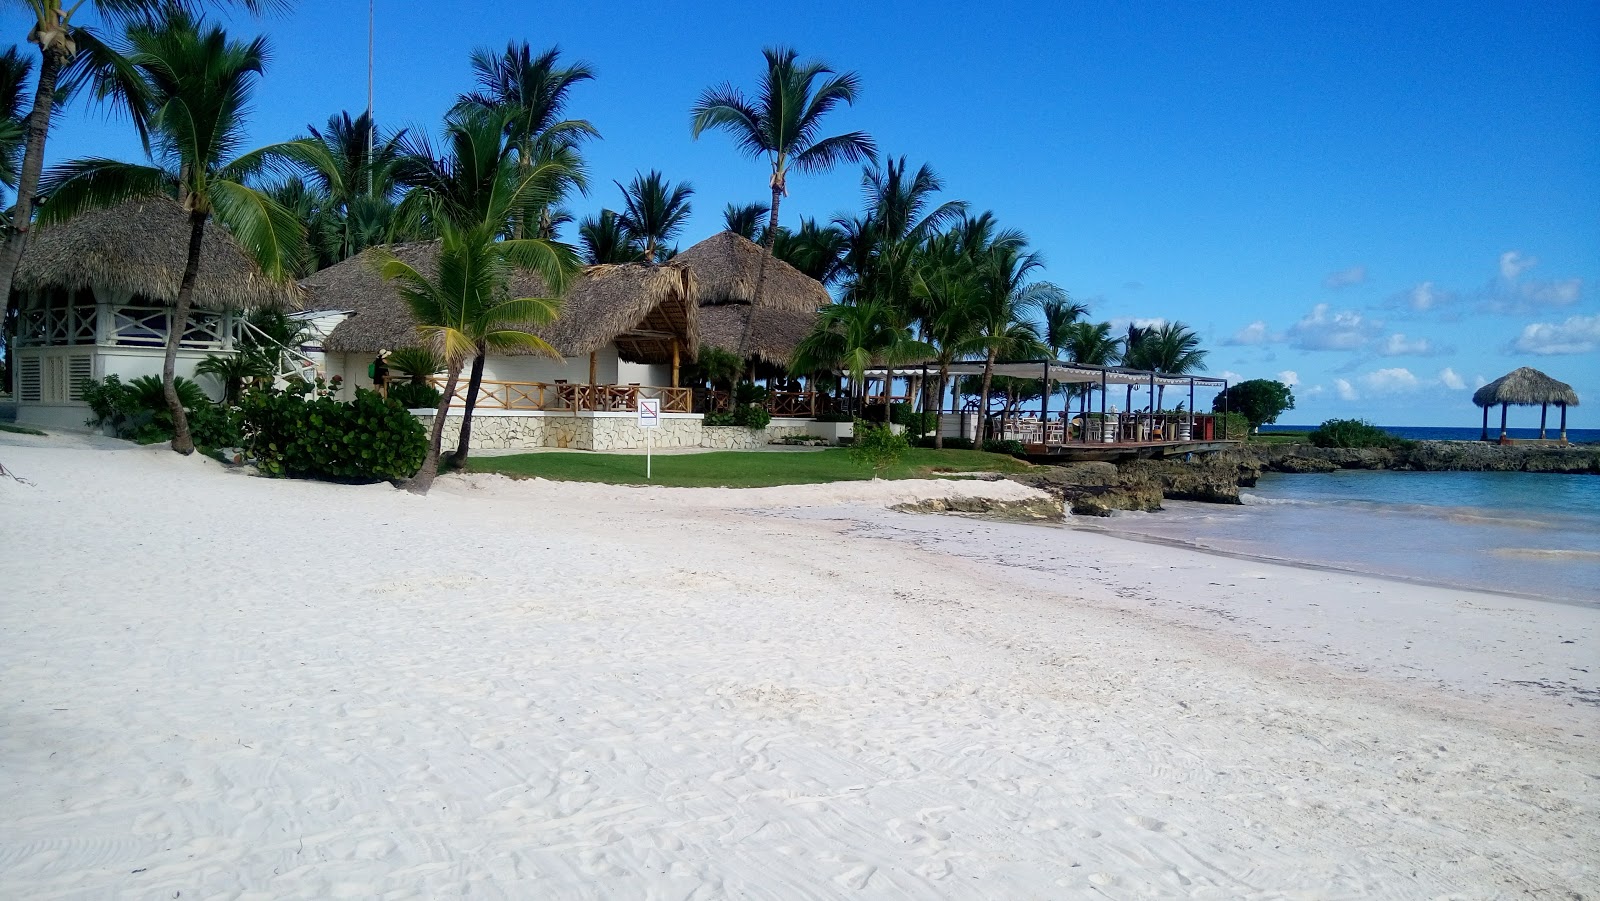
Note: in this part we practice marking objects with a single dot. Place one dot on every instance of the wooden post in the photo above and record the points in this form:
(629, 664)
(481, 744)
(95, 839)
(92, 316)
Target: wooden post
(1044, 410)
(1544, 413)
(594, 368)
(674, 362)
(1563, 423)
(1502, 423)
(1485, 435)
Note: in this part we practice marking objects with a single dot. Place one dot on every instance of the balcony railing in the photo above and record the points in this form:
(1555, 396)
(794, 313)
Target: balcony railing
(568, 397)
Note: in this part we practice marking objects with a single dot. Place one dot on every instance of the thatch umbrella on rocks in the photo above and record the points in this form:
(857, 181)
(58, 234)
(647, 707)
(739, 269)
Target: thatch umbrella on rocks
(1525, 387)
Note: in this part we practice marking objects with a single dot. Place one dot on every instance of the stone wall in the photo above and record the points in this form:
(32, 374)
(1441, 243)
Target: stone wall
(517, 429)
(737, 437)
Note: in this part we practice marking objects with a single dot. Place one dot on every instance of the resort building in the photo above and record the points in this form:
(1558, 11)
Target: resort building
(96, 295)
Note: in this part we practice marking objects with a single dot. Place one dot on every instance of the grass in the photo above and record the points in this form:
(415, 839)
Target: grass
(19, 429)
(738, 469)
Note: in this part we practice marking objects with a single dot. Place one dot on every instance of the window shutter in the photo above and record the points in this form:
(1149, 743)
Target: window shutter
(30, 380)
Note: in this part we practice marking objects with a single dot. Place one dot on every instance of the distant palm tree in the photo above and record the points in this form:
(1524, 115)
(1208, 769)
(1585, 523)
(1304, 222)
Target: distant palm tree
(1057, 319)
(816, 250)
(534, 91)
(1004, 302)
(602, 239)
(1174, 348)
(783, 121)
(358, 208)
(946, 286)
(654, 211)
(855, 337)
(744, 220)
(191, 85)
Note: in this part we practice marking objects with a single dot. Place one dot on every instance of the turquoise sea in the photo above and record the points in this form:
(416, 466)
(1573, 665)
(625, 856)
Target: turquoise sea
(1531, 534)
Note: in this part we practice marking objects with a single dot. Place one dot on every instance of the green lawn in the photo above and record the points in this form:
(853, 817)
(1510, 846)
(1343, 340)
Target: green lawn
(737, 469)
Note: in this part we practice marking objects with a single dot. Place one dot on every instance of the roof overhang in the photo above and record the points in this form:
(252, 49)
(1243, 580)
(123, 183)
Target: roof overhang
(1064, 373)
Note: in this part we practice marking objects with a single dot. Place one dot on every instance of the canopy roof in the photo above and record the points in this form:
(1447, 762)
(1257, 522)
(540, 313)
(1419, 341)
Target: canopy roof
(141, 246)
(728, 266)
(640, 307)
(1066, 373)
(1525, 387)
(772, 335)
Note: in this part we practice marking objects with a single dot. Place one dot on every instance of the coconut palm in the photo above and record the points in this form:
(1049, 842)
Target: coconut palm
(534, 90)
(192, 87)
(900, 216)
(1005, 300)
(60, 31)
(744, 220)
(14, 71)
(816, 250)
(604, 240)
(654, 211)
(357, 206)
(855, 337)
(1171, 347)
(946, 288)
(480, 186)
(782, 123)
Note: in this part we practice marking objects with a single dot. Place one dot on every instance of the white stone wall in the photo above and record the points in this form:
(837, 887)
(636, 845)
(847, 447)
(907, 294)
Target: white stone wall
(588, 431)
(737, 437)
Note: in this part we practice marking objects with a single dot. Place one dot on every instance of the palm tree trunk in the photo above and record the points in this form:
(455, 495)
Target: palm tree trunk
(888, 395)
(44, 98)
(983, 400)
(459, 458)
(938, 415)
(423, 480)
(182, 441)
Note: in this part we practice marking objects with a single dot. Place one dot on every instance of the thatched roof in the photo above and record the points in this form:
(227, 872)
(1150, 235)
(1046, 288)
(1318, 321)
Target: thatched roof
(1525, 387)
(773, 334)
(728, 266)
(141, 246)
(639, 307)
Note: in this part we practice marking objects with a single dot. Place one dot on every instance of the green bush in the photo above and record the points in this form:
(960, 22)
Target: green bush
(415, 396)
(1351, 433)
(949, 443)
(917, 424)
(303, 432)
(719, 417)
(755, 418)
(835, 416)
(137, 411)
(1232, 425)
(877, 446)
(749, 393)
(1012, 447)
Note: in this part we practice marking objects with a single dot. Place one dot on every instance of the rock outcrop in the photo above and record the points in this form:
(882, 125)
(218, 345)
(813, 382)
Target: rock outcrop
(1426, 456)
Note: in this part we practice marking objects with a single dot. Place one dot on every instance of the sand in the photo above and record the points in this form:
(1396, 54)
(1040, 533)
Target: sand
(216, 685)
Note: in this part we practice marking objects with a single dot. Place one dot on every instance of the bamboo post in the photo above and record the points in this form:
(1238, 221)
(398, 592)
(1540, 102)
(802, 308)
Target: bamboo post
(1563, 423)
(674, 362)
(1544, 413)
(1485, 435)
(594, 368)
(1502, 423)
(1044, 409)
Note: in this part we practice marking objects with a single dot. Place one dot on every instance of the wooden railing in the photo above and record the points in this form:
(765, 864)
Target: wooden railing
(559, 396)
(1116, 428)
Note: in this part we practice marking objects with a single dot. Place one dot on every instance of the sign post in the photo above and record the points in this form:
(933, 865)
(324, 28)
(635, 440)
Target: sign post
(649, 420)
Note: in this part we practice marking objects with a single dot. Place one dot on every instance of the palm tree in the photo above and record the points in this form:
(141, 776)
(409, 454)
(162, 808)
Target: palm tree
(482, 185)
(1005, 299)
(14, 72)
(358, 207)
(1091, 343)
(783, 122)
(192, 88)
(745, 220)
(654, 211)
(855, 337)
(1172, 347)
(533, 91)
(59, 39)
(816, 250)
(604, 240)
(462, 308)
(946, 289)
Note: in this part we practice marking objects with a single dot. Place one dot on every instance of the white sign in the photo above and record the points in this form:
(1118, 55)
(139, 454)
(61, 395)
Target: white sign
(649, 413)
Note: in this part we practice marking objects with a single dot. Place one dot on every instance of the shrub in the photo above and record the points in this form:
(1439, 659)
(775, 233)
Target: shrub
(1261, 401)
(416, 395)
(877, 446)
(1234, 425)
(416, 363)
(137, 411)
(749, 393)
(754, 418)
(303, 432)
(835, 416)
(718, 417)
(1351, 433)
(1012, 447)
(917, 424)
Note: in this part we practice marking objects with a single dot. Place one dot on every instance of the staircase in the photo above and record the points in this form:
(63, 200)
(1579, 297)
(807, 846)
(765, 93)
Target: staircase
(291, 363)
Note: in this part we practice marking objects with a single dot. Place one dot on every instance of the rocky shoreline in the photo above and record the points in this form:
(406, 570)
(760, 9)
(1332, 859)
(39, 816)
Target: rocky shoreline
(1099, 489)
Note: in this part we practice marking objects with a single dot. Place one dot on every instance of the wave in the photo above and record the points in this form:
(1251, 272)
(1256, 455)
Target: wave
(1539, 553)
(1471, 515)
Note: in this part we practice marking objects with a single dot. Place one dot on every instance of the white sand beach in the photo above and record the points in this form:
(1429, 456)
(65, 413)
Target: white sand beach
(220, 686)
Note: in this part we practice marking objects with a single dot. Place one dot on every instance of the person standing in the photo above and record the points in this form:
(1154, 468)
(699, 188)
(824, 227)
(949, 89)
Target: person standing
(379, 370)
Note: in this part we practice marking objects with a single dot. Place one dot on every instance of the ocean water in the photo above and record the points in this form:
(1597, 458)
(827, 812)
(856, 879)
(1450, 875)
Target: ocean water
(1464, 433)
(1530, 534)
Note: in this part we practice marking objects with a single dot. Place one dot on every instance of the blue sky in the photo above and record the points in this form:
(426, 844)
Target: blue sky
(1383, 203)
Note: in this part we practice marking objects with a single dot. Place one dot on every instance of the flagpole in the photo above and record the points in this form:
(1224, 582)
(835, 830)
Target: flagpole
(372, 126)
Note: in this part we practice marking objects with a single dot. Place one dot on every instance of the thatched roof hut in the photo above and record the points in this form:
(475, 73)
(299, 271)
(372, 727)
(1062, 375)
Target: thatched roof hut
(728, 266)
(642, 308)
(141, 247)
(770, 335)
(1526, 387)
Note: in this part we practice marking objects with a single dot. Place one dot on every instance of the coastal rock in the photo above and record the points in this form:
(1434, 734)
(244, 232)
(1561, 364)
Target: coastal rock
(1426, 456)
(1094, 489)
(1305, 464)
(1031, 509)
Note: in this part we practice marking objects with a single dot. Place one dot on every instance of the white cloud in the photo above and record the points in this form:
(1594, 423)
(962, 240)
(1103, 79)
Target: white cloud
(1339, 330)
(1398, 345)
(1313, 391)
(1252, 334)
(1289, 377)
(1449, 379)
(1513, 264)
(1230, 375)
(1390, 381)
(1345, 390)
(1424, 297)
(1478, 381)
(1577, 335)
(1344, 278)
